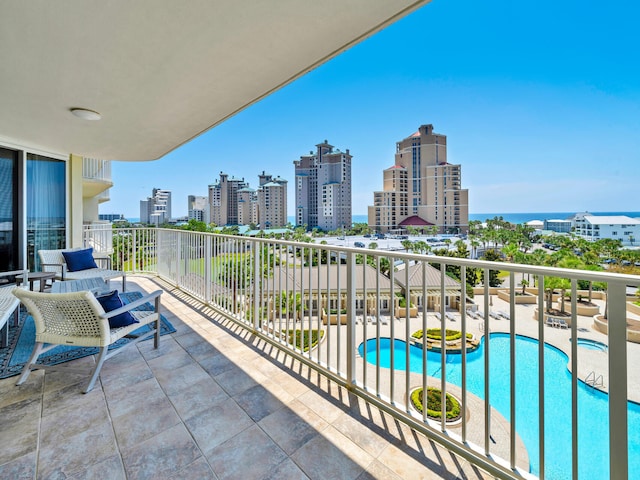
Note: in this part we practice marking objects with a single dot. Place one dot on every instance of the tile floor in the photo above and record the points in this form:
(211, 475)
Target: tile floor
(213, 402)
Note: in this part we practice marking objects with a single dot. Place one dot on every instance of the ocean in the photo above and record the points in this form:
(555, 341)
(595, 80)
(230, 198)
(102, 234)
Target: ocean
(509, 217)
(514, 217)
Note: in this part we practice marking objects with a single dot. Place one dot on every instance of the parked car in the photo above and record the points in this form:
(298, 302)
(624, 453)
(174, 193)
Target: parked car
(358, 244)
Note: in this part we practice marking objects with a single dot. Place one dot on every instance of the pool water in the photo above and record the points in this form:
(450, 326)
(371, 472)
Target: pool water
(593, 433)
(591, 344)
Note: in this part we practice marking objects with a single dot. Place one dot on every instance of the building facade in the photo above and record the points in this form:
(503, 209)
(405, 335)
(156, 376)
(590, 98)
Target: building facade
(197, 208)
(323, 188)
(422, 188)
(156, 209)
(272, 201)
(247, 206)
(223, 198)
(615, 227)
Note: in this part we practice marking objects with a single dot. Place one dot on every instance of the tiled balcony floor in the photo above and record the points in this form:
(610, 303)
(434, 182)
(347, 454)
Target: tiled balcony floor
(213, 402)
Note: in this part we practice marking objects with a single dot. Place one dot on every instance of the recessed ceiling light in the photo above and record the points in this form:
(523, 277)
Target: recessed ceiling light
(86, 114)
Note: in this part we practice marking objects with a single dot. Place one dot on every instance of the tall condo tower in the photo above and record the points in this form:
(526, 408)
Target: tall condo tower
(272, 201)
(156, 209)
(223, 200)
(422, 189)
(323, 188)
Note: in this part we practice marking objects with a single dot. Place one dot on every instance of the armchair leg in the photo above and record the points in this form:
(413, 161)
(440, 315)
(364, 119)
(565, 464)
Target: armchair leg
(37, 348)
(102, 356)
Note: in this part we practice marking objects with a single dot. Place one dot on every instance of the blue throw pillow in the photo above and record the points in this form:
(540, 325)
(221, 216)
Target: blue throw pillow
(77, 260)
(111, 301)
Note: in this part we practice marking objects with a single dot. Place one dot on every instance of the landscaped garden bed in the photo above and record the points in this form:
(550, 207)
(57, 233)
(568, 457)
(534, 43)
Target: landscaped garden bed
(453, 340)
(434, 404)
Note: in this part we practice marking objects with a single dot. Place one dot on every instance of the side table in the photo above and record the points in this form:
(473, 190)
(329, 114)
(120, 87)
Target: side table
(41, 277)
(96, 285)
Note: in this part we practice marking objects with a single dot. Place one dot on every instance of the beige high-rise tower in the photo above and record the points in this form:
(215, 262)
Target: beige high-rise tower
(422, 189)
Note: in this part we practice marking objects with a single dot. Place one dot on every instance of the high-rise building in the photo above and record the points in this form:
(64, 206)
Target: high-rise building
(247, 206)
(223, 198)
(422, 189)
(323, 188)
(156, 209)
(197, 208)
(272, 201)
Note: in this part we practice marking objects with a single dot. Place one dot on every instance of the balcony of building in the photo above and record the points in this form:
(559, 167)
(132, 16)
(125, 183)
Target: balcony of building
(96, 177)
(335, 409)
(215, 401)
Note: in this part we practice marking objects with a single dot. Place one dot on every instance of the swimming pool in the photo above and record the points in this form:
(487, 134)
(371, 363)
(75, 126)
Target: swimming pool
(593, 410)
(591, 344)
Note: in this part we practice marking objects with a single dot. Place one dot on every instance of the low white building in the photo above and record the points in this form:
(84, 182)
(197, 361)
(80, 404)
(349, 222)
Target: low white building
(616, 227)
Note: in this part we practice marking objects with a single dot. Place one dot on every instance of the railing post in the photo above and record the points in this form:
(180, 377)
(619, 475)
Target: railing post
(256, 284)
(178, 257)
(351, 317)
(134, 249)
(207, 268)
(617, 323)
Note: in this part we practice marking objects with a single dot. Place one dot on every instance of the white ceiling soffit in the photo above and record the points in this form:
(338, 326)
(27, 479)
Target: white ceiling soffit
(160, 72)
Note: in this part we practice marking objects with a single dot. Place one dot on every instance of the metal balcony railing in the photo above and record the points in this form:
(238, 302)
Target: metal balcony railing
(354, 314)
(96, 169)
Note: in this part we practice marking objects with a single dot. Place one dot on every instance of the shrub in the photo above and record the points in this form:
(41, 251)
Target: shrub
(434, 403)
(435, 334)
(300, 338)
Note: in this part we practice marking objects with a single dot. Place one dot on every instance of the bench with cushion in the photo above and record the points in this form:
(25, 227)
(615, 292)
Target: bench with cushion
(77, 264)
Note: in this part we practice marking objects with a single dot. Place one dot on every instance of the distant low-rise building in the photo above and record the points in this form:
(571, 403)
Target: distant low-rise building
(616, 227)
(558, 226)
(111, 217)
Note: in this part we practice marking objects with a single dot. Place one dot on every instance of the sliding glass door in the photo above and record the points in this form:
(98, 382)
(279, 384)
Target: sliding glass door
(9, 239)
(46, 206)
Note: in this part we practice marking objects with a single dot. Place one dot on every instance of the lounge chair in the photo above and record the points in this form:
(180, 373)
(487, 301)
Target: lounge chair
(384, 320)
(78, 264)
(504, 315)
(562, 324)
(438, 316)
(450, 316)
(79, 319)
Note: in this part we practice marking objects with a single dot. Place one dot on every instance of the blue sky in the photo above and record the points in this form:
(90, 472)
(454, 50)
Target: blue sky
(540, 102)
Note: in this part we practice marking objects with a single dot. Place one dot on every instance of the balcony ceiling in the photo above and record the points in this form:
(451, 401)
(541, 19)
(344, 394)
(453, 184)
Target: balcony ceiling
(160, 72)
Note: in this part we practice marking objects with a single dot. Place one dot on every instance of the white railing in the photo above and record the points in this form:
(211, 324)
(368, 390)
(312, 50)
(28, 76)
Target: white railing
(513, 426)
(96, 169)
(99, 236)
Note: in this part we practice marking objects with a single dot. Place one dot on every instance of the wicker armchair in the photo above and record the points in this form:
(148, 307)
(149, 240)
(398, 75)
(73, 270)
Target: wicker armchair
(78, 319)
